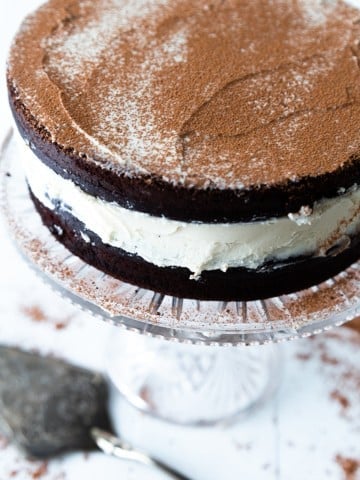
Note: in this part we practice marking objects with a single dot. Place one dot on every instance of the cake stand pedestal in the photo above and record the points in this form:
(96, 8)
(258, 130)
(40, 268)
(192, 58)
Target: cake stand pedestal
(194, 379)
(192, 385)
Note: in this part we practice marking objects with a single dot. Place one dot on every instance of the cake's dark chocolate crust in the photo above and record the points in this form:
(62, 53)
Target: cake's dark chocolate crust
(236, 284)
(156, 197)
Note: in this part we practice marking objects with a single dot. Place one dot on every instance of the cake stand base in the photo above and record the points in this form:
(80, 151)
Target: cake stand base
(192, 384)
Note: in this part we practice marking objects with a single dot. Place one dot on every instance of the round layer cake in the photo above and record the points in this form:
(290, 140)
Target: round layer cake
(203, 149)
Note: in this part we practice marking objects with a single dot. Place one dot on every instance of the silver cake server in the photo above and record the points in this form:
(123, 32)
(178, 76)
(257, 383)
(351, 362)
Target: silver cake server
(112, 445)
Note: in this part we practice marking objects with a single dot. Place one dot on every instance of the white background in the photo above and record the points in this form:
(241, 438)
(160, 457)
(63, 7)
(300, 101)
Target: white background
(296, 436)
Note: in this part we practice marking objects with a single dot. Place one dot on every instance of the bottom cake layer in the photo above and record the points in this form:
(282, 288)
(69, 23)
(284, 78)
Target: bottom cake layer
(240, 284)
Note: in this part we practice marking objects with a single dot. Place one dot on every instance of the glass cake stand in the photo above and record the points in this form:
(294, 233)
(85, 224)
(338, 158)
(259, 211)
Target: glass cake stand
(194, 379)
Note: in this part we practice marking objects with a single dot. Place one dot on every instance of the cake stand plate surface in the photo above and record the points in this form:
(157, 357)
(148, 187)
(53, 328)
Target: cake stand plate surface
(205, 322)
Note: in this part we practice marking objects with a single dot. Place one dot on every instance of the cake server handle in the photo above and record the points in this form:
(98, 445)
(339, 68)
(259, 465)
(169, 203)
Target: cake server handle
(112, 445)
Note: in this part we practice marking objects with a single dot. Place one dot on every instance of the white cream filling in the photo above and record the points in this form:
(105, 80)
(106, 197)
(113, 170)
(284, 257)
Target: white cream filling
(198, 246)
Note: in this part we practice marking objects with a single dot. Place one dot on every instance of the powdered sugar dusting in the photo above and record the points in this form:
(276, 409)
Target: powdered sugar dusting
(120, 112)
(175, 48)
(82, 49)
(133, 113)
(77, 50)
(318, 11)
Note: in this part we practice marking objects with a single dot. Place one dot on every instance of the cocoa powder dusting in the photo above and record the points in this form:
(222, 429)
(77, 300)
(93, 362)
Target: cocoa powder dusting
(318, 301)
(218, 93)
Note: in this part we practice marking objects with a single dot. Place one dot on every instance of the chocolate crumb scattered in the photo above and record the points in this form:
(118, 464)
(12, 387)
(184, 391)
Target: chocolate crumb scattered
(325, 358)
(303, 356)
(35, 313)
(340, 398)
(349, 465)
(40, 471)
(61, 325)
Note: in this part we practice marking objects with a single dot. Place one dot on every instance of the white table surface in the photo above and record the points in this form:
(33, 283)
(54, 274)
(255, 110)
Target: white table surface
(297, 436)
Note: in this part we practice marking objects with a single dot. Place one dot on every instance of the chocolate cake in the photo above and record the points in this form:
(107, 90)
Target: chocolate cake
(203, 149)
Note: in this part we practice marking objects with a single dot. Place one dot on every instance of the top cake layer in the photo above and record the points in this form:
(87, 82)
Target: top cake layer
(226, 95)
